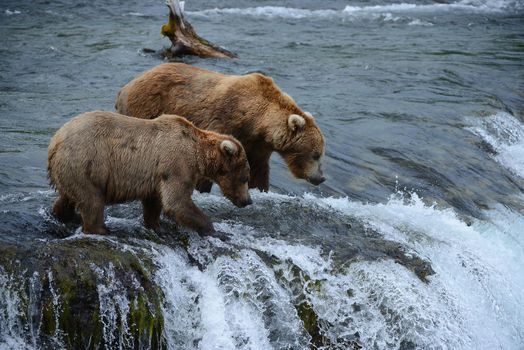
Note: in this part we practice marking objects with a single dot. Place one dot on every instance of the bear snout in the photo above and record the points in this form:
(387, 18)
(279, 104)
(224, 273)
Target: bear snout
(316, 180)
(315, 175)
(241, 203)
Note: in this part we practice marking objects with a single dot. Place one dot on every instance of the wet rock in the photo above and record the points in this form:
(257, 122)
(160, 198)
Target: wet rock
(83, 294)
(346, 238)
(101, 292)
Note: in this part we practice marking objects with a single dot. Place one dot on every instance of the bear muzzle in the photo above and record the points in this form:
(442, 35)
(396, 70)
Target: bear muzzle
(316, 180)
(316, 177)
(241, 203)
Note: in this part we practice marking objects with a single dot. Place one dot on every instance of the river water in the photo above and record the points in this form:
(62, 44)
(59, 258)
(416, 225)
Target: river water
(416, 239)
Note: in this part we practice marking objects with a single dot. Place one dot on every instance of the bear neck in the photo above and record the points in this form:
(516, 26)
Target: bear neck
(273, 131)
(208, 156)
(272, 126)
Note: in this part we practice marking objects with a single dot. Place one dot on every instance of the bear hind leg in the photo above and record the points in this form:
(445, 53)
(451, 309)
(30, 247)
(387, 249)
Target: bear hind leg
(152, 208)
(92, 212)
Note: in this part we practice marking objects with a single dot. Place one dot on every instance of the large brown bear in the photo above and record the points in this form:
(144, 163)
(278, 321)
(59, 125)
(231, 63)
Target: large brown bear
(101, 158)
(250, 107)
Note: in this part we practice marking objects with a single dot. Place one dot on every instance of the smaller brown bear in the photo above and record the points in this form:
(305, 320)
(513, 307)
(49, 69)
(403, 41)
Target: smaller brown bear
(100, 158)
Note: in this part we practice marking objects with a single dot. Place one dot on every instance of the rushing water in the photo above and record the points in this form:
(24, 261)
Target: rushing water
(416, 239)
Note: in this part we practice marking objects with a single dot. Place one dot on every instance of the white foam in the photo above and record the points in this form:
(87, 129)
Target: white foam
(24, 197)
(136, 14)
(11, 314)
(15, 308)
(430, 8)
(247, 280)
(308, 259)
(10, 13)
(246, 321)
(216, 331)
(193, 307)
(494, 4)
(231, 304)
(57, 310)
(477, 267)
(267, 11)
(114, 308)
(487, 6)
(475, 299)
(415, 311)
(35, 290)
(418, 22)
(505, 134)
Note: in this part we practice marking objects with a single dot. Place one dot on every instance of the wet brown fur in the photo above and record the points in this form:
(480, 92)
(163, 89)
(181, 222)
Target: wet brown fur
(250, 107)
(100, 158)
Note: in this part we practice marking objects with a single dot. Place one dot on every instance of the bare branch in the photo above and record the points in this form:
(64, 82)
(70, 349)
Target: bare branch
(184, 39)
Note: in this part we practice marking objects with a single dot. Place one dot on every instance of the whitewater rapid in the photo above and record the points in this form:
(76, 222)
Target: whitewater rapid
(234, 299)
(476, 289)
(505, 134)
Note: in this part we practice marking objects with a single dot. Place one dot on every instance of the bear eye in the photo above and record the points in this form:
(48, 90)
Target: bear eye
(316, 156)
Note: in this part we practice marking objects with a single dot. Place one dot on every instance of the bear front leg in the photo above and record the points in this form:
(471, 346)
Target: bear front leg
(189, 215)
(152, 207)
(259, 175)
(204, 186)
(177, 203)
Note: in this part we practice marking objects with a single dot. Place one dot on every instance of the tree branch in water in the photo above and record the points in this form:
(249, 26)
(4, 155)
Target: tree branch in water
(184, 39)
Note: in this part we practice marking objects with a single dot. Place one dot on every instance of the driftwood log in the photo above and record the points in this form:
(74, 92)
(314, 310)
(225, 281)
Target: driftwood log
(184, 39)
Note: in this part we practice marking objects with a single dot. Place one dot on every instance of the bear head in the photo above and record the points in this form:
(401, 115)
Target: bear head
(301, 143)
(292, 132)
(232, 172)
(305, 148)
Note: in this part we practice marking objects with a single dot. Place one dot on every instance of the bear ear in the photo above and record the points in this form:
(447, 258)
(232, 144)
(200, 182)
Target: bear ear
(295, 122)
(229, 148)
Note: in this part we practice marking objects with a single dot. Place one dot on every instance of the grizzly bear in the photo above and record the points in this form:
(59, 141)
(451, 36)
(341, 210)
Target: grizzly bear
(249, 107)
(100, 158)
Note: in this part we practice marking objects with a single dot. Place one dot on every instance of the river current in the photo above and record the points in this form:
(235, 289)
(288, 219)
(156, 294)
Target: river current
(415, 240)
